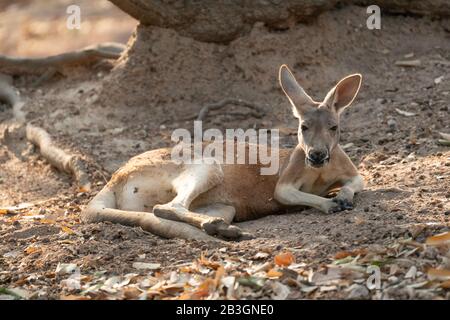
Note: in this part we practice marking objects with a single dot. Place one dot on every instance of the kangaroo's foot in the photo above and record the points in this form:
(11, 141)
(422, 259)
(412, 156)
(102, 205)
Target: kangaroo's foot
(224, 230)
(211, 225)
(179, 213)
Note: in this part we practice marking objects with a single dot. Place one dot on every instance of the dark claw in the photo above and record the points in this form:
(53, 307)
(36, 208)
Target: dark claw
(342, 204)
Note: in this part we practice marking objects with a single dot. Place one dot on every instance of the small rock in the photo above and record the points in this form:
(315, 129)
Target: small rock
(260, 255)
(392, 124)
(438, 80)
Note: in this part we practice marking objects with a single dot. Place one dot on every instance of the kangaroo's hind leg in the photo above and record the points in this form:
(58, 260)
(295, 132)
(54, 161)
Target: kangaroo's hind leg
(103, 208)
(193, 181)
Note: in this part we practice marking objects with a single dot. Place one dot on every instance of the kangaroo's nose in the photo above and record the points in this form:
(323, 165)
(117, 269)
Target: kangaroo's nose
(317, 156)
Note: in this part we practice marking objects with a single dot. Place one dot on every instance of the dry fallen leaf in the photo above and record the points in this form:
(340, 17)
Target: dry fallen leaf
(172, 289)
(261, 255)
(438, 274)
(343, 254)
(438, 240)
(65, 268)
(272, 273)
(131, 293)
(187, 269)
(412, 272)
(21, 282)
(47, 221)
(208, 263)
(445, 284)
(32, 249)
(67, 230)
(146, 266)
(280, 291)
(203, 289)
(284, 259)
(74, 297)
(353, 253)
(220, 272)
(85, 188)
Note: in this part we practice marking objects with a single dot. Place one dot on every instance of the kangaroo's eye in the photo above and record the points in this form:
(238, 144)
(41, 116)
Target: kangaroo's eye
(333, 128)
(304, 128)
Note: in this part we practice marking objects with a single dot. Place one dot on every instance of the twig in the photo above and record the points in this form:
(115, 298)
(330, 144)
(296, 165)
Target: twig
(26, 205)
(86, 55)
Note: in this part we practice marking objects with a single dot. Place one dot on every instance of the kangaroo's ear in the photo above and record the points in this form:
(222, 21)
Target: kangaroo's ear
(300, 101)
(343, 94)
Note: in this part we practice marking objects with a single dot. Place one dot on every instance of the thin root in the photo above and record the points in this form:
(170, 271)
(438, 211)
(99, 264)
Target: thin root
(91, 54)
(257, 112)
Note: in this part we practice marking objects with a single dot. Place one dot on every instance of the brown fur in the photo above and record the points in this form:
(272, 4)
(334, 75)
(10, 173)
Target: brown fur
(171, 199)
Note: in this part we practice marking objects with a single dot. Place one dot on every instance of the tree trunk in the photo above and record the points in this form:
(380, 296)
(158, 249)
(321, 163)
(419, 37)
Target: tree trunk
(224, 20)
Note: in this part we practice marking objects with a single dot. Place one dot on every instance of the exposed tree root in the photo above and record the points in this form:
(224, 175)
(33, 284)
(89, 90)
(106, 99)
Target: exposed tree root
(91, 54)
(39, 137)
(57, 157)
(102, 207)
(47, 67)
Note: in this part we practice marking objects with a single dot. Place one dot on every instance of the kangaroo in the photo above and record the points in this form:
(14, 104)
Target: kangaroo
(199, 201)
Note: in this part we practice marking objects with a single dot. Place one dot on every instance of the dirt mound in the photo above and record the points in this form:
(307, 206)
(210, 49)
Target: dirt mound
(173, 76)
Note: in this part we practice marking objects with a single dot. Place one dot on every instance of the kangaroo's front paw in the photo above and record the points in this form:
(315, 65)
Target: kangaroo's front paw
(341, 205)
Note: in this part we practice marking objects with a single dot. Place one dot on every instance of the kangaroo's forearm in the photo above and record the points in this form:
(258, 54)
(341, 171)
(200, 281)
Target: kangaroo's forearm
(351, 187)
(289, 195)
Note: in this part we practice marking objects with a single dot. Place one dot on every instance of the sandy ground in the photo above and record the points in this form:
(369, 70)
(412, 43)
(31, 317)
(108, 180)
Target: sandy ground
(108, 116)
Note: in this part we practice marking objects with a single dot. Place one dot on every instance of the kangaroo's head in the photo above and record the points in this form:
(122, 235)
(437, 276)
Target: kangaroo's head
(318, 131)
